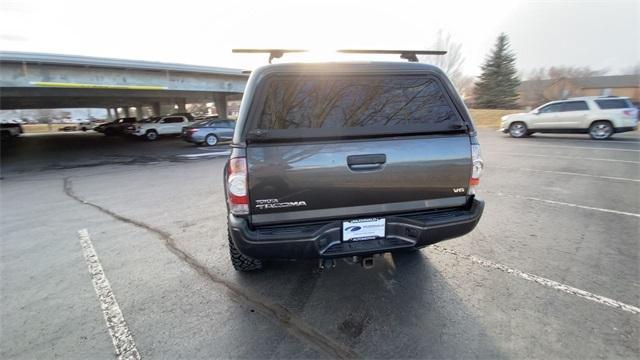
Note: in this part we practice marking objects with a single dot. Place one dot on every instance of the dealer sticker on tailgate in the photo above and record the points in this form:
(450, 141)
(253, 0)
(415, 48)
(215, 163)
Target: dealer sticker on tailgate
(363, 229)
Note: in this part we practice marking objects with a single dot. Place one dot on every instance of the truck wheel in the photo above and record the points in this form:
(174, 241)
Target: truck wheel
(211, 140)
(151, 135)
(241, 262)
(600, 130)
(518, 129)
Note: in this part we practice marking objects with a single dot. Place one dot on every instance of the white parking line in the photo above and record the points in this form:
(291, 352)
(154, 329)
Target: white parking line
(212, 148)
(564, 140)
(543, 281)
(217, 153)
(566, 204)
(592, 141)
(561, 157)
(118, 329)
(582, 147)
(565, 173)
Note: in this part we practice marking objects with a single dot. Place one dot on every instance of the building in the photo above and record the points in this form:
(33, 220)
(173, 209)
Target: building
(536, 92)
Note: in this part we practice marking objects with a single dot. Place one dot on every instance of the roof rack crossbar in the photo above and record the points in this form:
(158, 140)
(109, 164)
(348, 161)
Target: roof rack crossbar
(411, 55)
(273, 53)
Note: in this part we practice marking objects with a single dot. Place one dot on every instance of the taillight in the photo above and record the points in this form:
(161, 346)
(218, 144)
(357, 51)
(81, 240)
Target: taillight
(630, 112)
(477, 165)
(237, 195)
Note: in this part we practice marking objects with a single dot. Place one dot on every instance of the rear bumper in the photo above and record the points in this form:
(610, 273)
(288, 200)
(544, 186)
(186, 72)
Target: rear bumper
(324, 239)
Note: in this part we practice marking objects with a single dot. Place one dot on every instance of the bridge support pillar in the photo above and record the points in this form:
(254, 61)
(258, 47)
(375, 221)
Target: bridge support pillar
(139, 113)
(220, 101)
(167, 109)
(126, 111)
(109, 114)
(156, 109)
(182, 104)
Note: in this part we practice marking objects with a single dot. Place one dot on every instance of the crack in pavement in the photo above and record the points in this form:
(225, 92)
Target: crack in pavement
(270, 310)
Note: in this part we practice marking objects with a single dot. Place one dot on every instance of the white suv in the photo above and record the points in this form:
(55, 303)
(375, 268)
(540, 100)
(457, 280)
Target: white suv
(168, 125)
(600, 117)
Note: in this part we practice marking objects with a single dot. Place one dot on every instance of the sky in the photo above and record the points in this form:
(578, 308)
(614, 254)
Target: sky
(598, 34)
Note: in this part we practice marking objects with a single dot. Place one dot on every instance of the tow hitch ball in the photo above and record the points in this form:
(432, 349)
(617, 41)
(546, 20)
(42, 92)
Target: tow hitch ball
(327, 263)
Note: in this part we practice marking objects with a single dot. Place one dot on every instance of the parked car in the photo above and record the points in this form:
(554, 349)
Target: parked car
(207, 117)
(131, 128)
(116, 127)
(10, 130)
(150, 119)
(168, 125)
(349, 160)
(598, 116)
(209, 132)
(185, 114)
(85, 125)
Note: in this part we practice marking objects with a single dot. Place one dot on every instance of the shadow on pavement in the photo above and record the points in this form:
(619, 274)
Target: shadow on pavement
(51, 151)
(402, 308)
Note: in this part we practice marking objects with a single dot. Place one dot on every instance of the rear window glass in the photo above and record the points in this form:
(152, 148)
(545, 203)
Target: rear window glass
(614, 104)
(362, 102)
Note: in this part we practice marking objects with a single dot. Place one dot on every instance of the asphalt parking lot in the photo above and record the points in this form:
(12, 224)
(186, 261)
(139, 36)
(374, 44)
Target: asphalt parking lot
(551, 271)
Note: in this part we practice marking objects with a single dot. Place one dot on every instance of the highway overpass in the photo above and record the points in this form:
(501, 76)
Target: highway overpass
(45, 81)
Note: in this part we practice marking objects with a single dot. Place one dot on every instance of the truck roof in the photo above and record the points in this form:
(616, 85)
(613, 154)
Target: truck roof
(351, 67)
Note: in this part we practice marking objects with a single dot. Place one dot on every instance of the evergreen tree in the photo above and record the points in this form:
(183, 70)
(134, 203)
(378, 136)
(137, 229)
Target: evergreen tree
(498, 84)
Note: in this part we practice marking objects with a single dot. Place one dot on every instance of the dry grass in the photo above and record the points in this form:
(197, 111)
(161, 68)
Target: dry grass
(489, 117)
(42, 128)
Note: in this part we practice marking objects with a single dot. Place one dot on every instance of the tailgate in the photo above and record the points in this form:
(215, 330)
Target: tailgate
(344, 179)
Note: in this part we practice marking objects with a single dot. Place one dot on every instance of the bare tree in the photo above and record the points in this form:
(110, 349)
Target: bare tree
(538, 79)
(451, 63)
(465, 86)
(558, 72)
(632, 70)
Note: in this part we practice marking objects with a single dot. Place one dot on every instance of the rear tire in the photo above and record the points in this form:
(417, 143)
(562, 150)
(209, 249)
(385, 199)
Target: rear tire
(518, 129)
(151, 135)
(601, 130)
(211, 140)
(241, 262)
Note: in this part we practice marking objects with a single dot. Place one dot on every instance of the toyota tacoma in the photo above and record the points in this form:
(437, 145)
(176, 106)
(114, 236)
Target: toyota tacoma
(334, 160)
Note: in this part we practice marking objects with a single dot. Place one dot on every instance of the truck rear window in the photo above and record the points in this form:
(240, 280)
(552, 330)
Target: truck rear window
(614, 104)
(356, 104)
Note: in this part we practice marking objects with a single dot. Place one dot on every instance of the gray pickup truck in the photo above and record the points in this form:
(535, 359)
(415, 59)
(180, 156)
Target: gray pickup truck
(350, 160)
